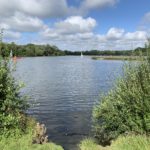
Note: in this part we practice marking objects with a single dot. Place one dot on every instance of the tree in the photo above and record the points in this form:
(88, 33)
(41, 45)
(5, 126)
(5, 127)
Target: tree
(126, 108)
(12, 105)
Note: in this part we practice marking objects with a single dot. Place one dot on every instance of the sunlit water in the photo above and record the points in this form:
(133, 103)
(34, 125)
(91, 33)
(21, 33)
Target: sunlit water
(63, 91)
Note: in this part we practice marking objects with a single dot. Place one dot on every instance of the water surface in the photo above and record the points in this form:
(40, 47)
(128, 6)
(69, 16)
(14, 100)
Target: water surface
(63, 90)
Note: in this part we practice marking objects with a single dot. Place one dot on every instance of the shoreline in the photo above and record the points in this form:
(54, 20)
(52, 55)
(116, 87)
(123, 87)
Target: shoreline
(116, 57)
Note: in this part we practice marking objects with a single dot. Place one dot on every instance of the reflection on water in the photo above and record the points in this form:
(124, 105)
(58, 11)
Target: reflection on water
(62, 92)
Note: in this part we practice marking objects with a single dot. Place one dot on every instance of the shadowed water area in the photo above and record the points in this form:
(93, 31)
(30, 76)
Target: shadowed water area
(62, 92)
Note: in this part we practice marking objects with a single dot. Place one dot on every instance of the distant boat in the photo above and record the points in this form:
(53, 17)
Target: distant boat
(11, 54)
(81, 55)
(14, 58)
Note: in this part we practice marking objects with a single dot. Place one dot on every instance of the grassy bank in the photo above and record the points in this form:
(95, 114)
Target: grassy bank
(132, 142)
(25, 143)
(116, 57)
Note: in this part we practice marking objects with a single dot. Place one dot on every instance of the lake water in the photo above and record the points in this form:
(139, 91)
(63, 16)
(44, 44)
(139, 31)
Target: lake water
(63, 91)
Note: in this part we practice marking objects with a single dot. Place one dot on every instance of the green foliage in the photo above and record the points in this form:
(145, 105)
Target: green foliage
(12, 105)
(25, 143)
(90, 144)
(29, 50)
(128, 58)
(132, 142)
(126, 108)
(103, 53)
(4, 50)
(135, 52)
(49, 50)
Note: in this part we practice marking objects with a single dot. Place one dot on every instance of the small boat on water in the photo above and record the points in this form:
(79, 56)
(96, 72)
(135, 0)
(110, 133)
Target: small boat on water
(81, 55)
(11, 54)
(14, 58)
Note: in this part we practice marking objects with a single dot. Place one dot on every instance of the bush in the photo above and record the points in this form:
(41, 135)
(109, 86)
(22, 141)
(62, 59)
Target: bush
(126, 108)
(12, 105)
(89, 144)
(130, 142)
(25, 143)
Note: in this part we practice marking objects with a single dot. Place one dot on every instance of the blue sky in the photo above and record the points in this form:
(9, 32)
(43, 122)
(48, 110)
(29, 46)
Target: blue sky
(77, 24)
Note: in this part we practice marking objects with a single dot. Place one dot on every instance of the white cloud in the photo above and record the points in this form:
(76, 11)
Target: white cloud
(77, 33)
(45, 8)
(26, 16)
(70, 26)
(4, 26)
(38, 8)
(147, 17)
(71, 32)
(138, 35)
(50, 8)
(85, 36)
(74, 32)
(10, 35)
(115, 33)
(76, 24)
(96, 4)
(22, 23)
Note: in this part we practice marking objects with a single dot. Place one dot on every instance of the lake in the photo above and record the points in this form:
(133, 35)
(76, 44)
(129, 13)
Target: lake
(62, 92)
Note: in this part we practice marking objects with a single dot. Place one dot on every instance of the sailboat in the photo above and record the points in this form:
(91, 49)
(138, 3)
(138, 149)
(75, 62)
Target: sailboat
(14, 58)
(11, 54)
(81, 55)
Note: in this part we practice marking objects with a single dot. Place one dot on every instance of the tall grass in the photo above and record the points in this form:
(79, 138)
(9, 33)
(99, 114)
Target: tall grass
(132, 142)
(89, 144)
(25, 143)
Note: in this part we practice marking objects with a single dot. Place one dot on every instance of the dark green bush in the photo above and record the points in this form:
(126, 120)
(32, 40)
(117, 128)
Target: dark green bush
(12, 105)
(126, 108)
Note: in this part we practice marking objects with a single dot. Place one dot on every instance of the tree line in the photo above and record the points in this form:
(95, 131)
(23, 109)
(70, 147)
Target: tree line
(51, 50)
(109, 52)
(29, 50)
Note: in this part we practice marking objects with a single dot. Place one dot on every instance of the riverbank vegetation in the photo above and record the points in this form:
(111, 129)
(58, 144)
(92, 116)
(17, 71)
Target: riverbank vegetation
(12, 105)
(24, 140)
(122, 117)
(116, 57)
(134, 52)
(132, 142)
(29, 50)
(126, 108)
(50, 50)
(25, 143)
(17, 130)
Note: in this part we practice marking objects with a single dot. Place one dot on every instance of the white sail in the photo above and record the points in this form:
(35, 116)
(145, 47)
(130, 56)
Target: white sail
(81, 55)
(11, 54)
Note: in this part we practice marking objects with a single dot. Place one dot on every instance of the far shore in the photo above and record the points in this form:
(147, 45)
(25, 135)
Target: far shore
(116, 57)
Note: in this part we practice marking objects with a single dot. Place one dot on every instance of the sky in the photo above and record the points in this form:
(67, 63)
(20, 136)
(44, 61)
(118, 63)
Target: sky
(77, 24)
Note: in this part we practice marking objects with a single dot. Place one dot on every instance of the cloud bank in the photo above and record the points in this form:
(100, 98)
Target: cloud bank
(71, 29)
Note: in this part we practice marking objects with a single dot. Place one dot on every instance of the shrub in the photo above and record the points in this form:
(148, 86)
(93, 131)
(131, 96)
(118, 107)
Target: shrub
(126, 108)
(90, 144)
(25, 143)
(12, 105)
(130, 142)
